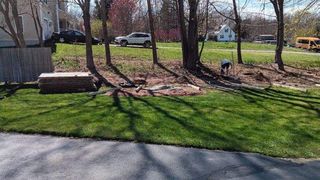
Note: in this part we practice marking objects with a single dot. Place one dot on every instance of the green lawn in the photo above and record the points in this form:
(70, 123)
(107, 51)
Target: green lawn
(172, 51)
(276, 122)
(232, 45)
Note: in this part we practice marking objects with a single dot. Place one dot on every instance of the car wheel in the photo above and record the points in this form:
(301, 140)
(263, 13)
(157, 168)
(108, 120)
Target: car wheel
(61, 40)
(147, 44)
(123, 43)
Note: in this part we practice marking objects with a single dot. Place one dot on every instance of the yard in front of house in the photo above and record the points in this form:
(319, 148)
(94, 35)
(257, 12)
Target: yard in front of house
(275, 122)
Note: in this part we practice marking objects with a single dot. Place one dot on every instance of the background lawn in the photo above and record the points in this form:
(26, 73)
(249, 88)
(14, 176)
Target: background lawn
(274, 122)
(213, 53)
(232, 45)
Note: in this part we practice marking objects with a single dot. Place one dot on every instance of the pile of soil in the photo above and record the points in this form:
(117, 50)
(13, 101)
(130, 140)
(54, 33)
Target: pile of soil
(171, 73)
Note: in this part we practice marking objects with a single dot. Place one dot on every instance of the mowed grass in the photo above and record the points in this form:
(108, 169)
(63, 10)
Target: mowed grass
(210, 54)
(276, 122)
(232, 45)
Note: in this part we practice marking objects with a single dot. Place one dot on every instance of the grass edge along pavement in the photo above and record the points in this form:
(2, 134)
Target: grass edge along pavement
(275, 122)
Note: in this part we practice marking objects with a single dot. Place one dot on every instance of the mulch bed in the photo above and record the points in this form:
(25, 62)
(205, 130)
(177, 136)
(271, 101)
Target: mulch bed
(172, 73)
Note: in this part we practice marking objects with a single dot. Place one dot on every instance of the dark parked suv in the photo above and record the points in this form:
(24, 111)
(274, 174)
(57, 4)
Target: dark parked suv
(72, 36)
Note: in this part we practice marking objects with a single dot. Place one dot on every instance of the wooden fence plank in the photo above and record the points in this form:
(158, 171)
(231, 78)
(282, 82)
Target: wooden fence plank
(24, 64)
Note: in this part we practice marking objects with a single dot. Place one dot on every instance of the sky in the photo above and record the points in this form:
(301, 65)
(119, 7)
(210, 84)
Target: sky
(256, 7)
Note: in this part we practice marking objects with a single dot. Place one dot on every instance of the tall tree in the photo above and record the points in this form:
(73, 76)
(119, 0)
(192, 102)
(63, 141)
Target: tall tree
(189, 37)
(278, 8)
(237, 20)
(9, 11)
(104, 14)
(85, 7)
(153, 39)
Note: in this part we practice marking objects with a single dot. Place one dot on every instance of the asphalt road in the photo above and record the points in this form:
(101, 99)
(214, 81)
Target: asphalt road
(45, 157)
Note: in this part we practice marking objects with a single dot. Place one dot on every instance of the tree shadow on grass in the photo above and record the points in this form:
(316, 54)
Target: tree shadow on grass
(292, 73)
(252, 95)
(135, 117)
(29, 116)
(245, 165)
(292, 99)
(213, 79)
(120, 74)
(11, 89)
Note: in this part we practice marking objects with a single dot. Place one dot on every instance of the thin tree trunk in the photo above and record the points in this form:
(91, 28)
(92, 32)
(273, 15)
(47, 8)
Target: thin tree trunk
(239, 53)
(15, 14)
(87, 26)
(153, 39)
(105, 32)
(238, 27)
(193, 53)
(278, 7)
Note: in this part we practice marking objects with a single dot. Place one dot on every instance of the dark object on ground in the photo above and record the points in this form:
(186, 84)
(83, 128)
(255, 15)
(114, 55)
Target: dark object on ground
(139, 81)
(126, 85)
(225, 66)
(72, 36)
(66, 82)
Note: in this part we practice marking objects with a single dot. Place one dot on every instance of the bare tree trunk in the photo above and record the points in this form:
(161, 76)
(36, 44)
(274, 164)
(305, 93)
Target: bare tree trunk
(15, 14)
(193, 43)
(183, 32)
(153, 38)
(105, 32)
(238, 27)
(89, 53)
(278, 7)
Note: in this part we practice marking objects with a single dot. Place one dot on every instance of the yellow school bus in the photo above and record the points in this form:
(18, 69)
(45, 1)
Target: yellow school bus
(310, 43)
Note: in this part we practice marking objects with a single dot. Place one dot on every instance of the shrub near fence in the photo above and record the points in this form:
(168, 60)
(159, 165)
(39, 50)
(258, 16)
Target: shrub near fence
(24, 64)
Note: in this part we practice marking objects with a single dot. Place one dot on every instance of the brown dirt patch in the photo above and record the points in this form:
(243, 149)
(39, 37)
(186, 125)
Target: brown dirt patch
(171, 73)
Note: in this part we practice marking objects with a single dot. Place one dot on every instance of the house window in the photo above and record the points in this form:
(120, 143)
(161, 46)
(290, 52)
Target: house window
(221, 36)
(226, 30)
(21, 23)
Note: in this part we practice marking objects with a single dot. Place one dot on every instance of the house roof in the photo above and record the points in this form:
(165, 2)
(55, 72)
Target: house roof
(221, 28)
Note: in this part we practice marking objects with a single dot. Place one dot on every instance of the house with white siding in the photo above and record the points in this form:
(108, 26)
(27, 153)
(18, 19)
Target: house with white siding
(53, 16)
(224, 34)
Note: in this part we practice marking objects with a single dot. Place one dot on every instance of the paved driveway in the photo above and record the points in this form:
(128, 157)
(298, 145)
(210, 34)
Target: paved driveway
(45, 157)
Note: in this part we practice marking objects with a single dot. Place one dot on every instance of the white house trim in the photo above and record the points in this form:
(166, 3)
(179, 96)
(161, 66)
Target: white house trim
(224, 34)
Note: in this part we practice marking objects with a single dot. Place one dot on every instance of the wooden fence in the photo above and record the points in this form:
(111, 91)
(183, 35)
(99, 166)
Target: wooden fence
(24, 64)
